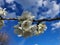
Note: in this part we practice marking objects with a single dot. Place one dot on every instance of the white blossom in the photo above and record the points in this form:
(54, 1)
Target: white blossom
(41, 28)
(26, 24)
(18, 31)
(33, 29)
(2, 11)
(26, 16)
(16, 26)
(20, 28)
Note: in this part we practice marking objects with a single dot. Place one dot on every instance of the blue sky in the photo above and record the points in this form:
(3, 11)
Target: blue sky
(52, 9)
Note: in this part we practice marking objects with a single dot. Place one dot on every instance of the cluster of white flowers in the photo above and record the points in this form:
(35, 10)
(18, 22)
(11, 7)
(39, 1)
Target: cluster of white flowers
(2, 11)
(25, 27)
(41, 28)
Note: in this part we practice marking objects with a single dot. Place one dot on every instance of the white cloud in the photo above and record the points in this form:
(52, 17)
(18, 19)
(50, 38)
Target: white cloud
(29, 5)
(26, 3)
(45, 3)
(41, 17)
(19, 35)
(11, 15)
(39, 3)
(1, 2)
(56, 25)
(53, 11)
(53, 7)
(9, 1)
(35, 44)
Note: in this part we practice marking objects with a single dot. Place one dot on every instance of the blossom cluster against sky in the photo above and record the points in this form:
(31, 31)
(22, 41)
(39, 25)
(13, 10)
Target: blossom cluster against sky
(40, 9)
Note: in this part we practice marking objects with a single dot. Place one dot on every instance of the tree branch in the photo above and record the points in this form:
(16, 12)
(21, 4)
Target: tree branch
(8, 19)
(52, 19)
(41, 20)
